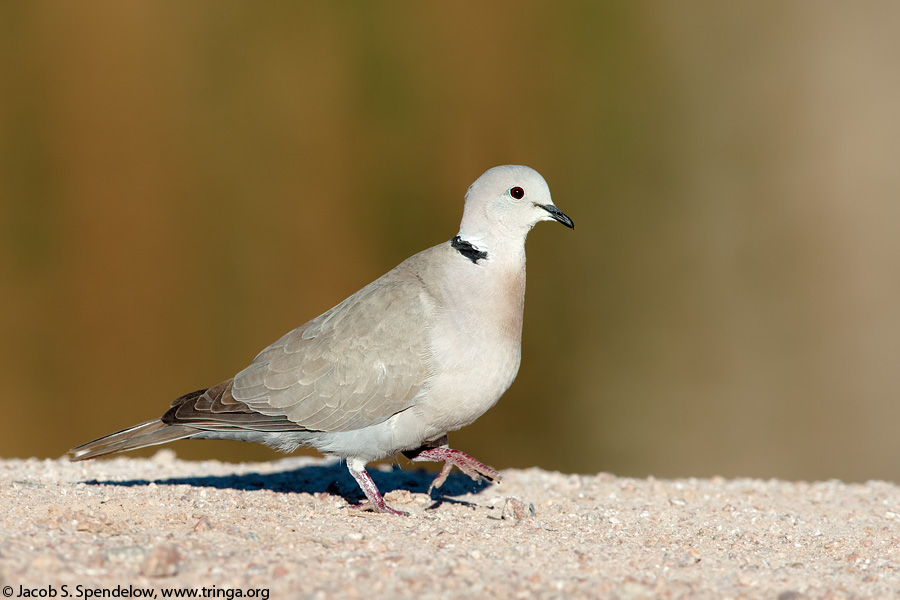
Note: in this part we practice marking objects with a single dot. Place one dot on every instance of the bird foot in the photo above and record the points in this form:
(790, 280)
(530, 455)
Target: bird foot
(375, 502)
(378, 507)
(461, 460)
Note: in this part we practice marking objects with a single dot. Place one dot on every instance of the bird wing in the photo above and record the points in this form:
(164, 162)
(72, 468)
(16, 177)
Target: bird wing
(215, 409)
(356, 365)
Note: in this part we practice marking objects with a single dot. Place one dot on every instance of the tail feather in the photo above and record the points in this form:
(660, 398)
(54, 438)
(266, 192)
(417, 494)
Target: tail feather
(150, 433)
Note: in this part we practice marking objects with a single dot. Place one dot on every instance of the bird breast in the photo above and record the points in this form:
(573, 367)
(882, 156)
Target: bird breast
(476, 346)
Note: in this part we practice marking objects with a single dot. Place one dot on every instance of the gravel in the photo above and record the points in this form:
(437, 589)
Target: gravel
(284, 529)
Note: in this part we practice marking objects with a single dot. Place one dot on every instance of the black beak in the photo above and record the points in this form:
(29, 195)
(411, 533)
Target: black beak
(558, 215)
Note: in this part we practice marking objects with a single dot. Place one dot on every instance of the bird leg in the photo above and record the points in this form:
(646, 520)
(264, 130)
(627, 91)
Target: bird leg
(451, 458)
(375, 502)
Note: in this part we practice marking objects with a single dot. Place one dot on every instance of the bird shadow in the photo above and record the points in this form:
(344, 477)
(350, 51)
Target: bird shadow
(330, 478)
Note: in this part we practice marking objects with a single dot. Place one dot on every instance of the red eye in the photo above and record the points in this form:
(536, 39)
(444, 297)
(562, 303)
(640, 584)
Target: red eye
(517, 193)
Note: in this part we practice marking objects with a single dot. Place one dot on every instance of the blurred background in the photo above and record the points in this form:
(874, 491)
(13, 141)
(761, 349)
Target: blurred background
(182, 183)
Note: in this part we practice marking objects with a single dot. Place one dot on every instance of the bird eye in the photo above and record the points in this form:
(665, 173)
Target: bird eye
(517, 193)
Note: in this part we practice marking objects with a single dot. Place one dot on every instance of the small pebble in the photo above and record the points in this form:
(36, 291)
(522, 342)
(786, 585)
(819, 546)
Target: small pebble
(516, 510)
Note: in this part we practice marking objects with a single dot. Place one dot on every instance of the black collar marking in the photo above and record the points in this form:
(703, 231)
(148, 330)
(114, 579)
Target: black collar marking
(468, 250)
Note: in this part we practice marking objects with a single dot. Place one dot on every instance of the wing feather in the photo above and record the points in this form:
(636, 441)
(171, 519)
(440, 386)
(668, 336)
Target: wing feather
(356, 365)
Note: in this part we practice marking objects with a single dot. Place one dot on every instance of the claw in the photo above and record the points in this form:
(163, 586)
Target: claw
(378, 508)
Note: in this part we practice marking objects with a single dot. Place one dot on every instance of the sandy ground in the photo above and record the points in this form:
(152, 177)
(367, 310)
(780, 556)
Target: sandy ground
(284, 530)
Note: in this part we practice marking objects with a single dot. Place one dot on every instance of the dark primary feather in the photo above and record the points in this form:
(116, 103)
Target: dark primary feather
(216, 409)
(213, 409)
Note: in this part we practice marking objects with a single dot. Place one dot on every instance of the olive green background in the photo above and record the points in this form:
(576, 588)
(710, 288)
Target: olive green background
(183, 182)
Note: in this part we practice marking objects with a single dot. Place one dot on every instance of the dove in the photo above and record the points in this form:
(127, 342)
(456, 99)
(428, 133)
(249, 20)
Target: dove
(420, 352)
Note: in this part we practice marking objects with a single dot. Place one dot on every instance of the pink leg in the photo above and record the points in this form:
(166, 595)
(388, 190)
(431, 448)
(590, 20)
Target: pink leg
(451, 457)
(376, 503)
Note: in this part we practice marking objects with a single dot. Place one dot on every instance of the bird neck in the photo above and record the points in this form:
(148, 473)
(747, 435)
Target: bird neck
(500, 251)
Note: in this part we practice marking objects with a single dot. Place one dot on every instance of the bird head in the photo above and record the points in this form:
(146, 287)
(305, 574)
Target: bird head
(505, 203)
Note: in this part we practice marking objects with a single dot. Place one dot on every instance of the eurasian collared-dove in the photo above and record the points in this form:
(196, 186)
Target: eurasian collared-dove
(424, 350)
